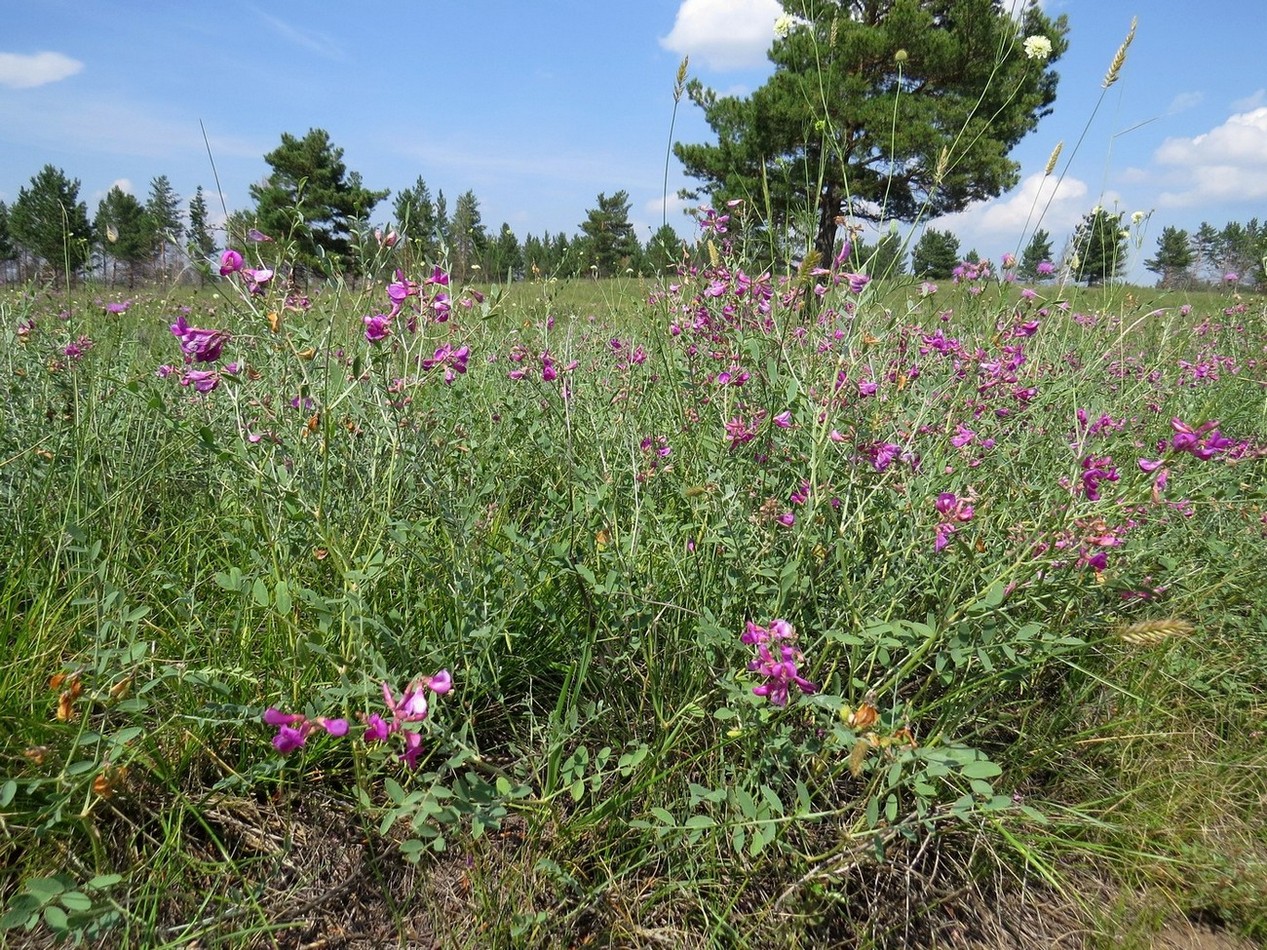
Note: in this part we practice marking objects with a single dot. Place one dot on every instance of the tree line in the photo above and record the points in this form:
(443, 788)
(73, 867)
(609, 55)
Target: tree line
(318, 215)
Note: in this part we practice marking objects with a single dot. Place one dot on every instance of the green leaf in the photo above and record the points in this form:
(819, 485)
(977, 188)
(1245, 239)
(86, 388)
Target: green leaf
(102, 881)
(980, 768)
(259, 592)
(662, 816)
(75, 900)
(44, 888)
(281, 598)
(700, 821)
(7, 792)
(55, 917)
(21, 909)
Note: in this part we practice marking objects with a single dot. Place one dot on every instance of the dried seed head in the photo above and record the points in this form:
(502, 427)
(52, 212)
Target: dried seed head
(858, 756)
(1052, 158)
(943, 164)
(1120, 59)
(680, 85)
(1148, 633)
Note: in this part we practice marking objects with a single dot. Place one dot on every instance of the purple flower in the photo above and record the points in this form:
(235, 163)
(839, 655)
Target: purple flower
(202, 380)
(199, 345)
(377, 327)
(376, 728)
(257, 278)
(413, 749)
(1096, 469)
(257, 236)
(230, 262)
(779, 667)
(1045, 268)
(118, 307)
(440, 684)
(289, 738)
(953, 510)
(335, 727)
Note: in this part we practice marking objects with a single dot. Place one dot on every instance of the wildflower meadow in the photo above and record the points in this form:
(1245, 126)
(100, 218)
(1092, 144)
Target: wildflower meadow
(770, 601)
(726, 608)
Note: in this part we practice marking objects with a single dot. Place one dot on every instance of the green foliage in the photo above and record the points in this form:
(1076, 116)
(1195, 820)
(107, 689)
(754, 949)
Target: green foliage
(664, 250)
(310, 201)
(466, 236)
(1174, 259)
(935, 254)
(1099, 247)
(416, 220)
(1036, 252)
(609, 244)
(202, 245)
(50, 222)
(163, 208)
(126, 231)
(503, 258)
(884, 111)
(886, 258)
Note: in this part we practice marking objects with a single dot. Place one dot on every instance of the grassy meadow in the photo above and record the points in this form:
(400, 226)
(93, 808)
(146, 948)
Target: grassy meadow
(732, 609)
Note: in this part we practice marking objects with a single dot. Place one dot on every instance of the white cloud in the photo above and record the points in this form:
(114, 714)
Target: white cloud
(27, 72)
(1228, 162)
(724, 34)
(672, 207)
(1040, 201)
(124, 185)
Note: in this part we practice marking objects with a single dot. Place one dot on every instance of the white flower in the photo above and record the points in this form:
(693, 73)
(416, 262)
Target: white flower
(1137, 217)
(783, 25)
(1037, 47)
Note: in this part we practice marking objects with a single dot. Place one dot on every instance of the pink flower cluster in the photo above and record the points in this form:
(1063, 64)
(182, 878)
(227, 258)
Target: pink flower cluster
(954, 511)
(777, 661)
(412, 706)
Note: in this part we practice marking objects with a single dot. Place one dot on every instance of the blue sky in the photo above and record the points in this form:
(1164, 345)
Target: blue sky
(538, 107)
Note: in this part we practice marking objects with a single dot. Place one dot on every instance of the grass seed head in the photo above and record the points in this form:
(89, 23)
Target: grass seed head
(1148, 633)
(1120, 59)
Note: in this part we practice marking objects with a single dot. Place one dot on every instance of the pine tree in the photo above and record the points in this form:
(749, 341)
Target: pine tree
(1099, 246)
(1174, 260)
(467, 237)
(886, 258)
(126, 231)
(202, 246)
(415, 219)
(503, 259)
(915, 105)
(610, 243)
(664, 250)
(1036, 252)
(51, 224)
(310, 203)
(1205, 245)
(935, 254)
(163, 208)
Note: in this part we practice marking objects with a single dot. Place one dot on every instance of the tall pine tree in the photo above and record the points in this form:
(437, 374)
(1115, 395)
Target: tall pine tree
(309, 202)
(880, 110)
(50, 222)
